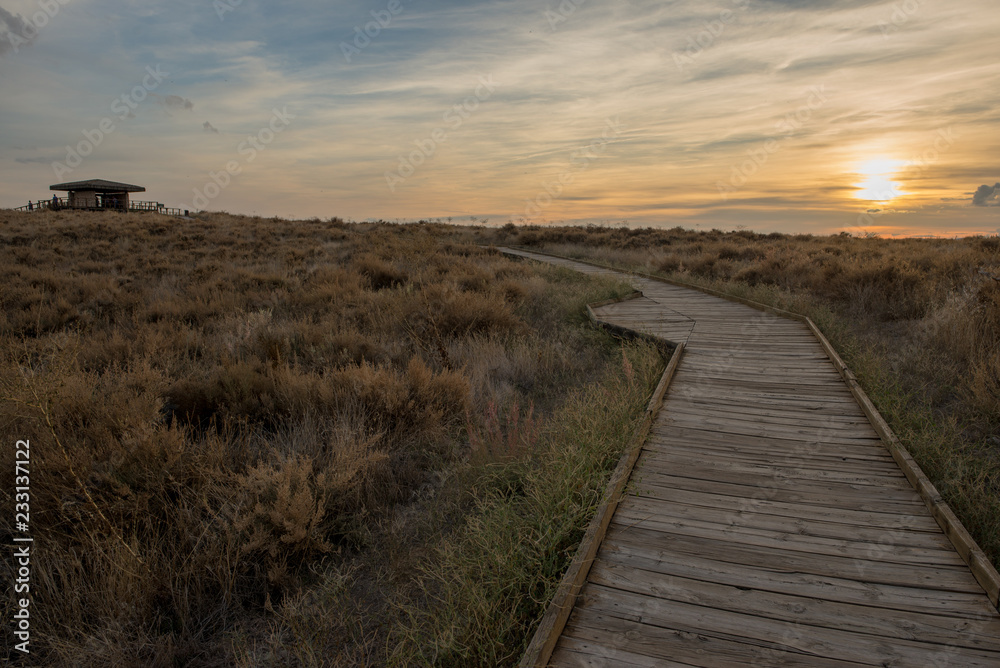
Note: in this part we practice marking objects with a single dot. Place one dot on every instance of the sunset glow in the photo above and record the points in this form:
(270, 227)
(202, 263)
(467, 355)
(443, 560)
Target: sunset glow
(878, 184)
(644, 113)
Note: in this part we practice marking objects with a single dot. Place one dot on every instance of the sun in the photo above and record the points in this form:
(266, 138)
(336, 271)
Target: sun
(878, 185)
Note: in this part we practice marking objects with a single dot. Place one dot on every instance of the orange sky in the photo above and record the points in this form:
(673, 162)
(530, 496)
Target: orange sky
(794, 116)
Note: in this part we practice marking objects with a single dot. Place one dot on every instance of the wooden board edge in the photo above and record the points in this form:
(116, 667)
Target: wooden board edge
(553, 621)
(665, 345)
(614, 300)
(966, 546)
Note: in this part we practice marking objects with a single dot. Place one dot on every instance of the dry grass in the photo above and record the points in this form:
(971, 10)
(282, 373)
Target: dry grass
(489, 583)
(229, 417)
(260, 442)
(917, 319)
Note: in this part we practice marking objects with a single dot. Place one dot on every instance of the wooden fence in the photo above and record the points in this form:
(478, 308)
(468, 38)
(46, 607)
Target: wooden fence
(57, 203)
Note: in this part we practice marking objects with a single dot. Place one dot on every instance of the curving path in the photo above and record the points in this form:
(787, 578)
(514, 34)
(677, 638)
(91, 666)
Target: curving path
(766, 524)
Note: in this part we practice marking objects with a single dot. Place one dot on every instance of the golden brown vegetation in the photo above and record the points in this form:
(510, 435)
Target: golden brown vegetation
(260, 442)
(237, 427)
(917, 319)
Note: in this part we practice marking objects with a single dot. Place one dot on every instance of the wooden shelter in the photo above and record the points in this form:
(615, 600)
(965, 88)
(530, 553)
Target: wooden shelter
(98, 194)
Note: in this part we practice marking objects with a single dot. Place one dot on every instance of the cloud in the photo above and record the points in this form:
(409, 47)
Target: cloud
(986, 195)
(17, 31)
(208, 127)
(173, 102)
(33, 161)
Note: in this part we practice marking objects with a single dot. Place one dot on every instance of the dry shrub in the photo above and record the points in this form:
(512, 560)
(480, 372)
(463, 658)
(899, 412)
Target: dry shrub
(415, 404)
(230, 406)
(984, 385)
(669, 265)
(351, 348)
(380, 274)
(883, 289)
(238, 402)
(983, 338)
(503, 438)
(282, 514)
(452, 312)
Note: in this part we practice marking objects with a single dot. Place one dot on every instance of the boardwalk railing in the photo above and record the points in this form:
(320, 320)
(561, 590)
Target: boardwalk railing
(57, 203)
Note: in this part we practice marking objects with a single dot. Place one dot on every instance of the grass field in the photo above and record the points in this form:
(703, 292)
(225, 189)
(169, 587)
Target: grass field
(263, 442)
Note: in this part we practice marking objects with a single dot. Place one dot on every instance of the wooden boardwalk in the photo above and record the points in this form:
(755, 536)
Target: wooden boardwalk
(766, 522)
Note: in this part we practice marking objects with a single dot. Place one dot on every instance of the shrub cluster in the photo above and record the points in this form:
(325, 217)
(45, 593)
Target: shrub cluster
(218, 405)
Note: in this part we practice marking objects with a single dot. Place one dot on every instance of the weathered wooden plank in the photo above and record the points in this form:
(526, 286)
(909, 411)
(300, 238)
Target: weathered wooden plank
(669, 546)
(807, 407)
(809, 610)
(786, 442)
(777, 410)
(880, 463)
(636, 509)
(745, 387)
(747, 407)
(750, 458)
(763, 576)
(889, 522)
(812, 484)
(702, 388)
(573, 653)
(799, 373)
(687, 414)
(610, 608)
(702, 354)
(783, 468)
(690, 646)
(761, 426)
(747, 534)
(803, 495)
(759, 384)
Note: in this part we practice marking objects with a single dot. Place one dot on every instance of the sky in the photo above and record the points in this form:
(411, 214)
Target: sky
(802, 116)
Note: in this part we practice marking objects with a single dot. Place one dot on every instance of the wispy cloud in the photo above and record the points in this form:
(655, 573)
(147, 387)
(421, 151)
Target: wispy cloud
(891, 81)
